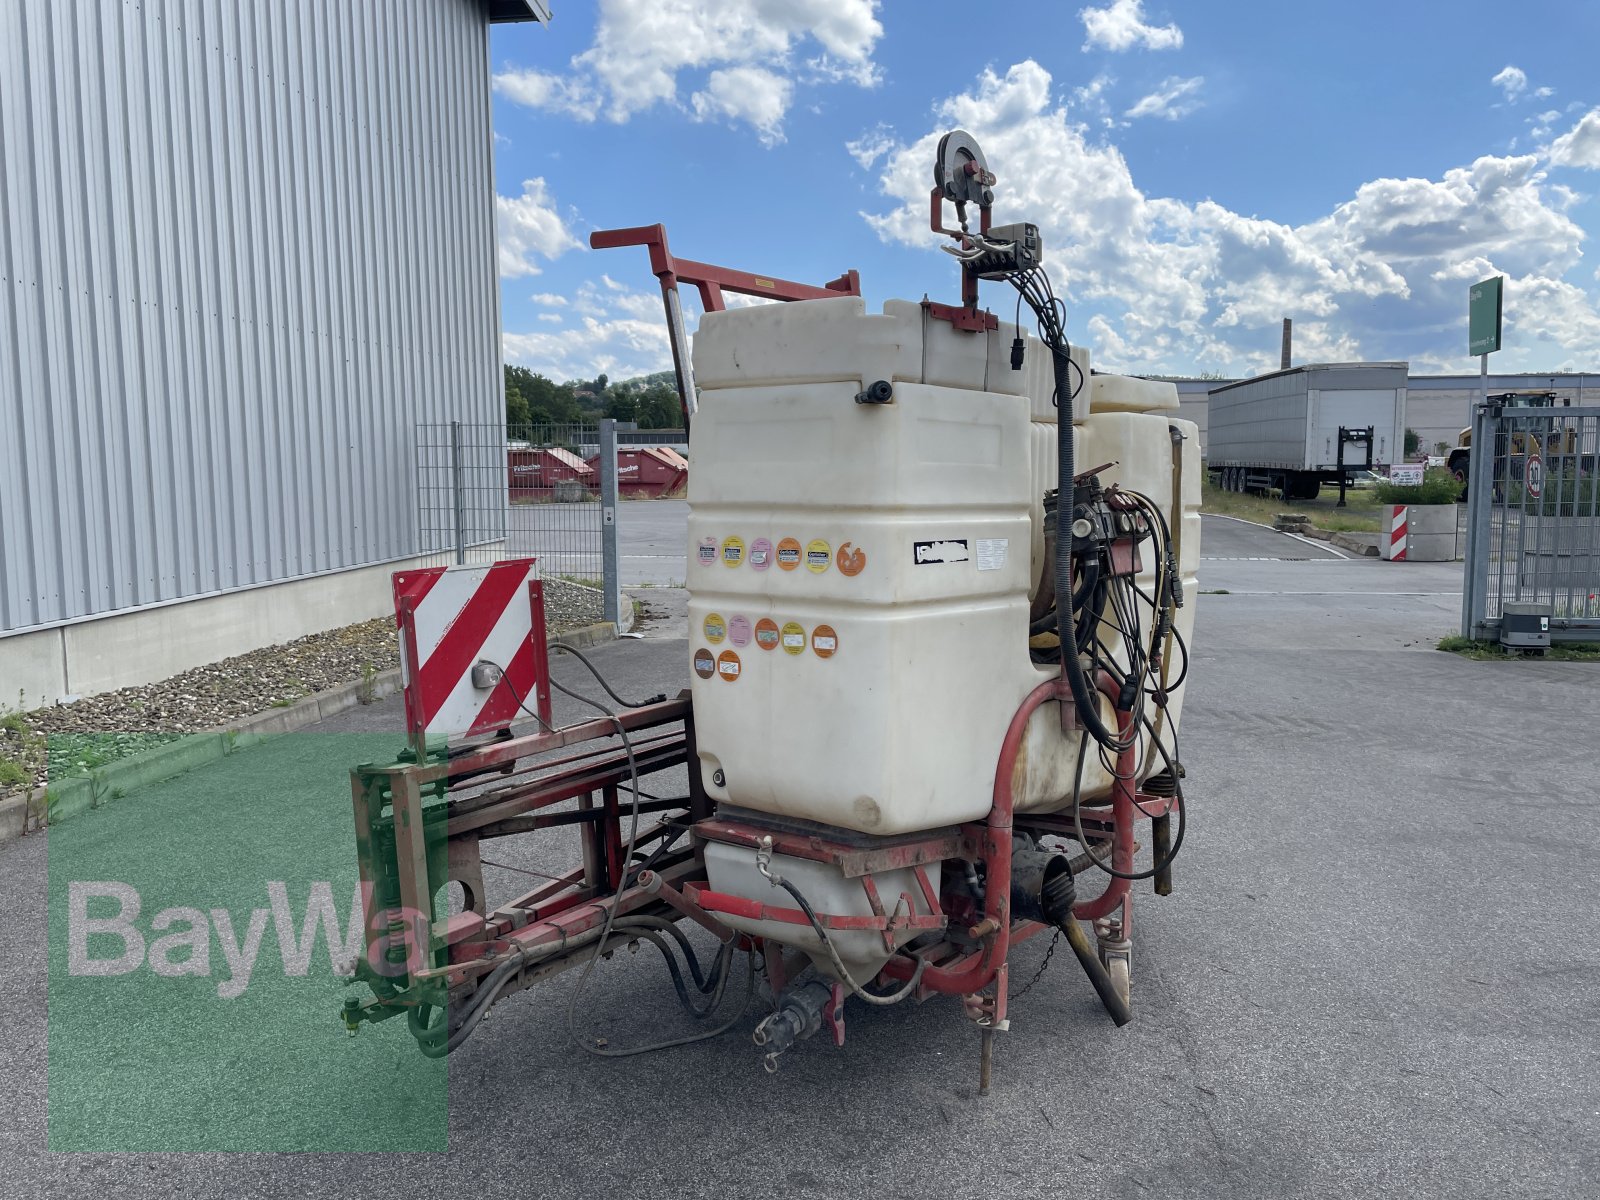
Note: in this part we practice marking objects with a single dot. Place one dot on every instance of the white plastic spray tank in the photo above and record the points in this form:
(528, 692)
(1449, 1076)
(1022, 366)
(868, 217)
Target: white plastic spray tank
(876, 608)
(860, 573)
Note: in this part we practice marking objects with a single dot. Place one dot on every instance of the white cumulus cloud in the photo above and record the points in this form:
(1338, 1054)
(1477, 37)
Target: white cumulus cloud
(1175, 98)
(1121, 25)
(1513, 81)
(529, 225)
(620, 332)
(1580, 145)
(1165, 285)
(871, 146)
(751, 94)
(746, 48)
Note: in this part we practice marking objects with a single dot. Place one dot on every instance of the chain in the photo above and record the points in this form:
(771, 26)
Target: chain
(1043, 967)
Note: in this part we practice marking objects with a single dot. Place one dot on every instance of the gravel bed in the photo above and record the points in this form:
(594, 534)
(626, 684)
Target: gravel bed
(98, 729)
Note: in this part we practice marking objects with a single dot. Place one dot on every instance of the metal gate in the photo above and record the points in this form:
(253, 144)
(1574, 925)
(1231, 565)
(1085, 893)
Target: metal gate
(487, 492)
(1533, 523)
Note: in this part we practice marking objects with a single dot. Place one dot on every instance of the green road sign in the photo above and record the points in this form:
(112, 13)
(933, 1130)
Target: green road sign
(1483, 315)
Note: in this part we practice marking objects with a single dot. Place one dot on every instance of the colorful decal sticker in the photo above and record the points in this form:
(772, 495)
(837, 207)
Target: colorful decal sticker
(818, 555)
(707, 553)
(716, 628)
(850, 561)
(760, 554)
(728, 665)
(794, 638)
(767, 633)
(951, 550)
(824, 641)
(732, 550)
(788, 554)
(739, 630)
(704, 665)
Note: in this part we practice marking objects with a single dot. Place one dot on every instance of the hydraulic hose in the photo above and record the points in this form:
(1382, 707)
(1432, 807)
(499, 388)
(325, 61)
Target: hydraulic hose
(1084, 699)
(833, 954)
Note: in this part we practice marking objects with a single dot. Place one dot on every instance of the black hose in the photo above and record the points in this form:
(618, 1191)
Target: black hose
(563, 648)
(715, 984)
(705, 982)
(1084, 699)
(845, 977)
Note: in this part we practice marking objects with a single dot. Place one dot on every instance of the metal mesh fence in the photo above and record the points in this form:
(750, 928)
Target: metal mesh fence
(1540, 536)
(488, 492)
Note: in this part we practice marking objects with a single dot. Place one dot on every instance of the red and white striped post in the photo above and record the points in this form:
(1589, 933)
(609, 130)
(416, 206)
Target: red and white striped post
(1393, 541)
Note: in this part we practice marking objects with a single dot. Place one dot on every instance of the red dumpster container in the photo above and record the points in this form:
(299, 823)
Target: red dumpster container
(647, 472)
(534, 474)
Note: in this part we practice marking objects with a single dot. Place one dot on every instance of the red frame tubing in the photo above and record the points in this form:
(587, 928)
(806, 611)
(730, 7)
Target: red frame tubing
(1122, 819)
(712, 280)
(970, 976)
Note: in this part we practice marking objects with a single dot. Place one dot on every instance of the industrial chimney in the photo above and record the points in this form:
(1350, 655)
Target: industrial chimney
(1288, 340)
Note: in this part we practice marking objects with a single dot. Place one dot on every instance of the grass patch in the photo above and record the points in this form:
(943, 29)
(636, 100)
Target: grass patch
(1361, 514)
(1495, 652)
(587, 581)
(1438, 486)
(22, 753)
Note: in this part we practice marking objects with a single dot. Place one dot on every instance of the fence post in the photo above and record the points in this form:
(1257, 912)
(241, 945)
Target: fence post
(458, 491)
(1480, 494)
(611, 576)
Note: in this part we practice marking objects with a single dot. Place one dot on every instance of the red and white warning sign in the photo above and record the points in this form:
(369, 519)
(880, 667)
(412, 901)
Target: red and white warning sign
(1533, 476)
(472, 647)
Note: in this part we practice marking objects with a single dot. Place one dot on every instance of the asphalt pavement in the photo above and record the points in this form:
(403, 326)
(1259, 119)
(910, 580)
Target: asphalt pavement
(1378, 974)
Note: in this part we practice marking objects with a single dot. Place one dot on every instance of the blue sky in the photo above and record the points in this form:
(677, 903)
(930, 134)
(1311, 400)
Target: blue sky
(1199, 170)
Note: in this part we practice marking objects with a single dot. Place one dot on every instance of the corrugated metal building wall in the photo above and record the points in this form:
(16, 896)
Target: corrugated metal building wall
(244, 249)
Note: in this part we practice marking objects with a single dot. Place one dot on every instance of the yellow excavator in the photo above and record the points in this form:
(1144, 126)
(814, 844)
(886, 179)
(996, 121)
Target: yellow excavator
(1522, 443)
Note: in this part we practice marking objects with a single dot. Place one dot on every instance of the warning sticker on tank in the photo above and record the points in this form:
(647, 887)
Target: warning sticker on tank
(732, 550)
(760, 554)
(739, 630)
(794, 638)
(991, 553)
(767, 633)
(728, 665)
(951, 550)
(707, 553)
(850, 560)
(704, 664)
(818, 555)
(715, 627)
(788, 554)
(824, 641)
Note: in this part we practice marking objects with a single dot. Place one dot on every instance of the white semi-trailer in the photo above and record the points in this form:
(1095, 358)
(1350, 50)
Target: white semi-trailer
(1290, 432)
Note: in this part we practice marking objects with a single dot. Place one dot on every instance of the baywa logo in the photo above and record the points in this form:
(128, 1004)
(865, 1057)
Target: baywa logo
(181, 940)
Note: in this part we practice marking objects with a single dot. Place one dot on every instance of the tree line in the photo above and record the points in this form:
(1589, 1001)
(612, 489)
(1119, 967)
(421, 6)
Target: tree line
(650, 400)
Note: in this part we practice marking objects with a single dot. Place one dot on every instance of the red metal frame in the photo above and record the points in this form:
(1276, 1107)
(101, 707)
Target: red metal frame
(711, 280)
(570, 910)
(967, 316)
